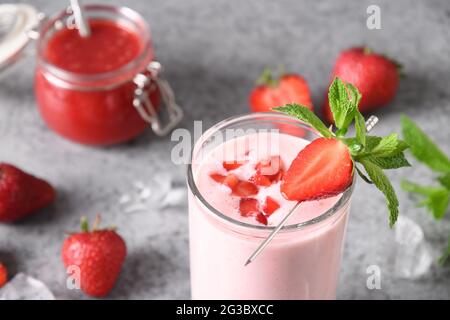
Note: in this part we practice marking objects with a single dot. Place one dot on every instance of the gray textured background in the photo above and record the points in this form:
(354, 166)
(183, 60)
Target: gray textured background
(213, 50)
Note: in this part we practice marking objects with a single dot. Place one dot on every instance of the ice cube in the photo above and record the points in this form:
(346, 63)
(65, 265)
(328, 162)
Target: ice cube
(24, 287)
(413, 257)
(177, 197)
(145, 196)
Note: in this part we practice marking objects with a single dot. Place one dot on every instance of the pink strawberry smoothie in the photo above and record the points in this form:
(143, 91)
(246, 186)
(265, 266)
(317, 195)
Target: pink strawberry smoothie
(302, 262)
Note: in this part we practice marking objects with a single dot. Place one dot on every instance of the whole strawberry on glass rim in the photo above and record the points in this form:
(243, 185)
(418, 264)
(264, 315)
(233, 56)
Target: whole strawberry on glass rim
(96, 256)
(326, 166)
(375, 75)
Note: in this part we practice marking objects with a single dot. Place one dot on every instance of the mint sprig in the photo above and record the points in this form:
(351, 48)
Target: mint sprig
(435, 198)
(374, 153)
(423, 148)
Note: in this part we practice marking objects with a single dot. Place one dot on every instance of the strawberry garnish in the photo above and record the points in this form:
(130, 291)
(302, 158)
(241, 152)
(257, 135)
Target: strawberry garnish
(248, 207)
(270, 206)
(231, 165)
(245, 189)
(322, 169)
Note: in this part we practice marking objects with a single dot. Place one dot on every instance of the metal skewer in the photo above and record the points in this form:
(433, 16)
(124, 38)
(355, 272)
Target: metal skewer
(370, 123)
(80, 20)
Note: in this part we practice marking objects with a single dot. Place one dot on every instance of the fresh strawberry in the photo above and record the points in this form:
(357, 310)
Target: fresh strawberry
(245, 189)
(261, 218)
(376, 77)
(248, 207)
(273, 92)
(270, 206)
(21, 194)
(323, 168)
(99, 255)
(3, 275)
(231, 165)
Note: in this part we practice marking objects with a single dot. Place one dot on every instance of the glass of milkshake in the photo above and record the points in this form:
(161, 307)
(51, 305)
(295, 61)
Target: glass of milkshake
(235, 202)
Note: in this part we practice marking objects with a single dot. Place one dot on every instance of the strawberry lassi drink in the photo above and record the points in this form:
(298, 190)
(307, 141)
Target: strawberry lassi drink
(236, 200)
(268, 208)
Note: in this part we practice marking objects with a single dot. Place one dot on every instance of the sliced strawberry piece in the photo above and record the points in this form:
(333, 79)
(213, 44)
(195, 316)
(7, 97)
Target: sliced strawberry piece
(245, 189)
(232, 165)
(270, 206)
(217, 177)
(231, 181)
(260, 217)
(322, 169)
(272, 169)
(260, 180)
(270, 166)
(248, 207)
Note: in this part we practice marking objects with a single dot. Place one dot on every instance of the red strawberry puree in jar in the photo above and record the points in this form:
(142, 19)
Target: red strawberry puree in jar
(228, 221)
(84, 86)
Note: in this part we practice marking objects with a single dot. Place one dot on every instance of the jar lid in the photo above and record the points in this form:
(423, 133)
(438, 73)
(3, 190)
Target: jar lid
(15, 21)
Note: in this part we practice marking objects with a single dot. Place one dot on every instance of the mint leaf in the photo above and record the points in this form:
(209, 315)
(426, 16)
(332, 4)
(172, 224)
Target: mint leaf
(372, 142)
(360, 127)
(446, 255)
(307, 116)
(423, 148)
(445, 180)
(355, 95)
(392, 162)
(383, 184)
(389, 146)
(436, 199)
(342, 106)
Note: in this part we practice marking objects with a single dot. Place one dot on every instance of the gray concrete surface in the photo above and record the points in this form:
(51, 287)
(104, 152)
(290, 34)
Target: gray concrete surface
(213, 50)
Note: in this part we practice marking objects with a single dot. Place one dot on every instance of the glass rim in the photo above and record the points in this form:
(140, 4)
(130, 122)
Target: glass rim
(88, 78)
(343, 200)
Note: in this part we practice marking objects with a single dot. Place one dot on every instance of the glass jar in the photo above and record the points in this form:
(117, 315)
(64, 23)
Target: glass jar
(301, 262)
(113, 101)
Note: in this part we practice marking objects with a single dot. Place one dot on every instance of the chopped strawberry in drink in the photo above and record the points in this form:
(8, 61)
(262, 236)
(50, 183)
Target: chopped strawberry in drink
(231, 181)
(231, 165)
(245, 189)
(248, 207)
(217, 177)
(260, 217)
(270, 206)
(260, 180)
(272, 169)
